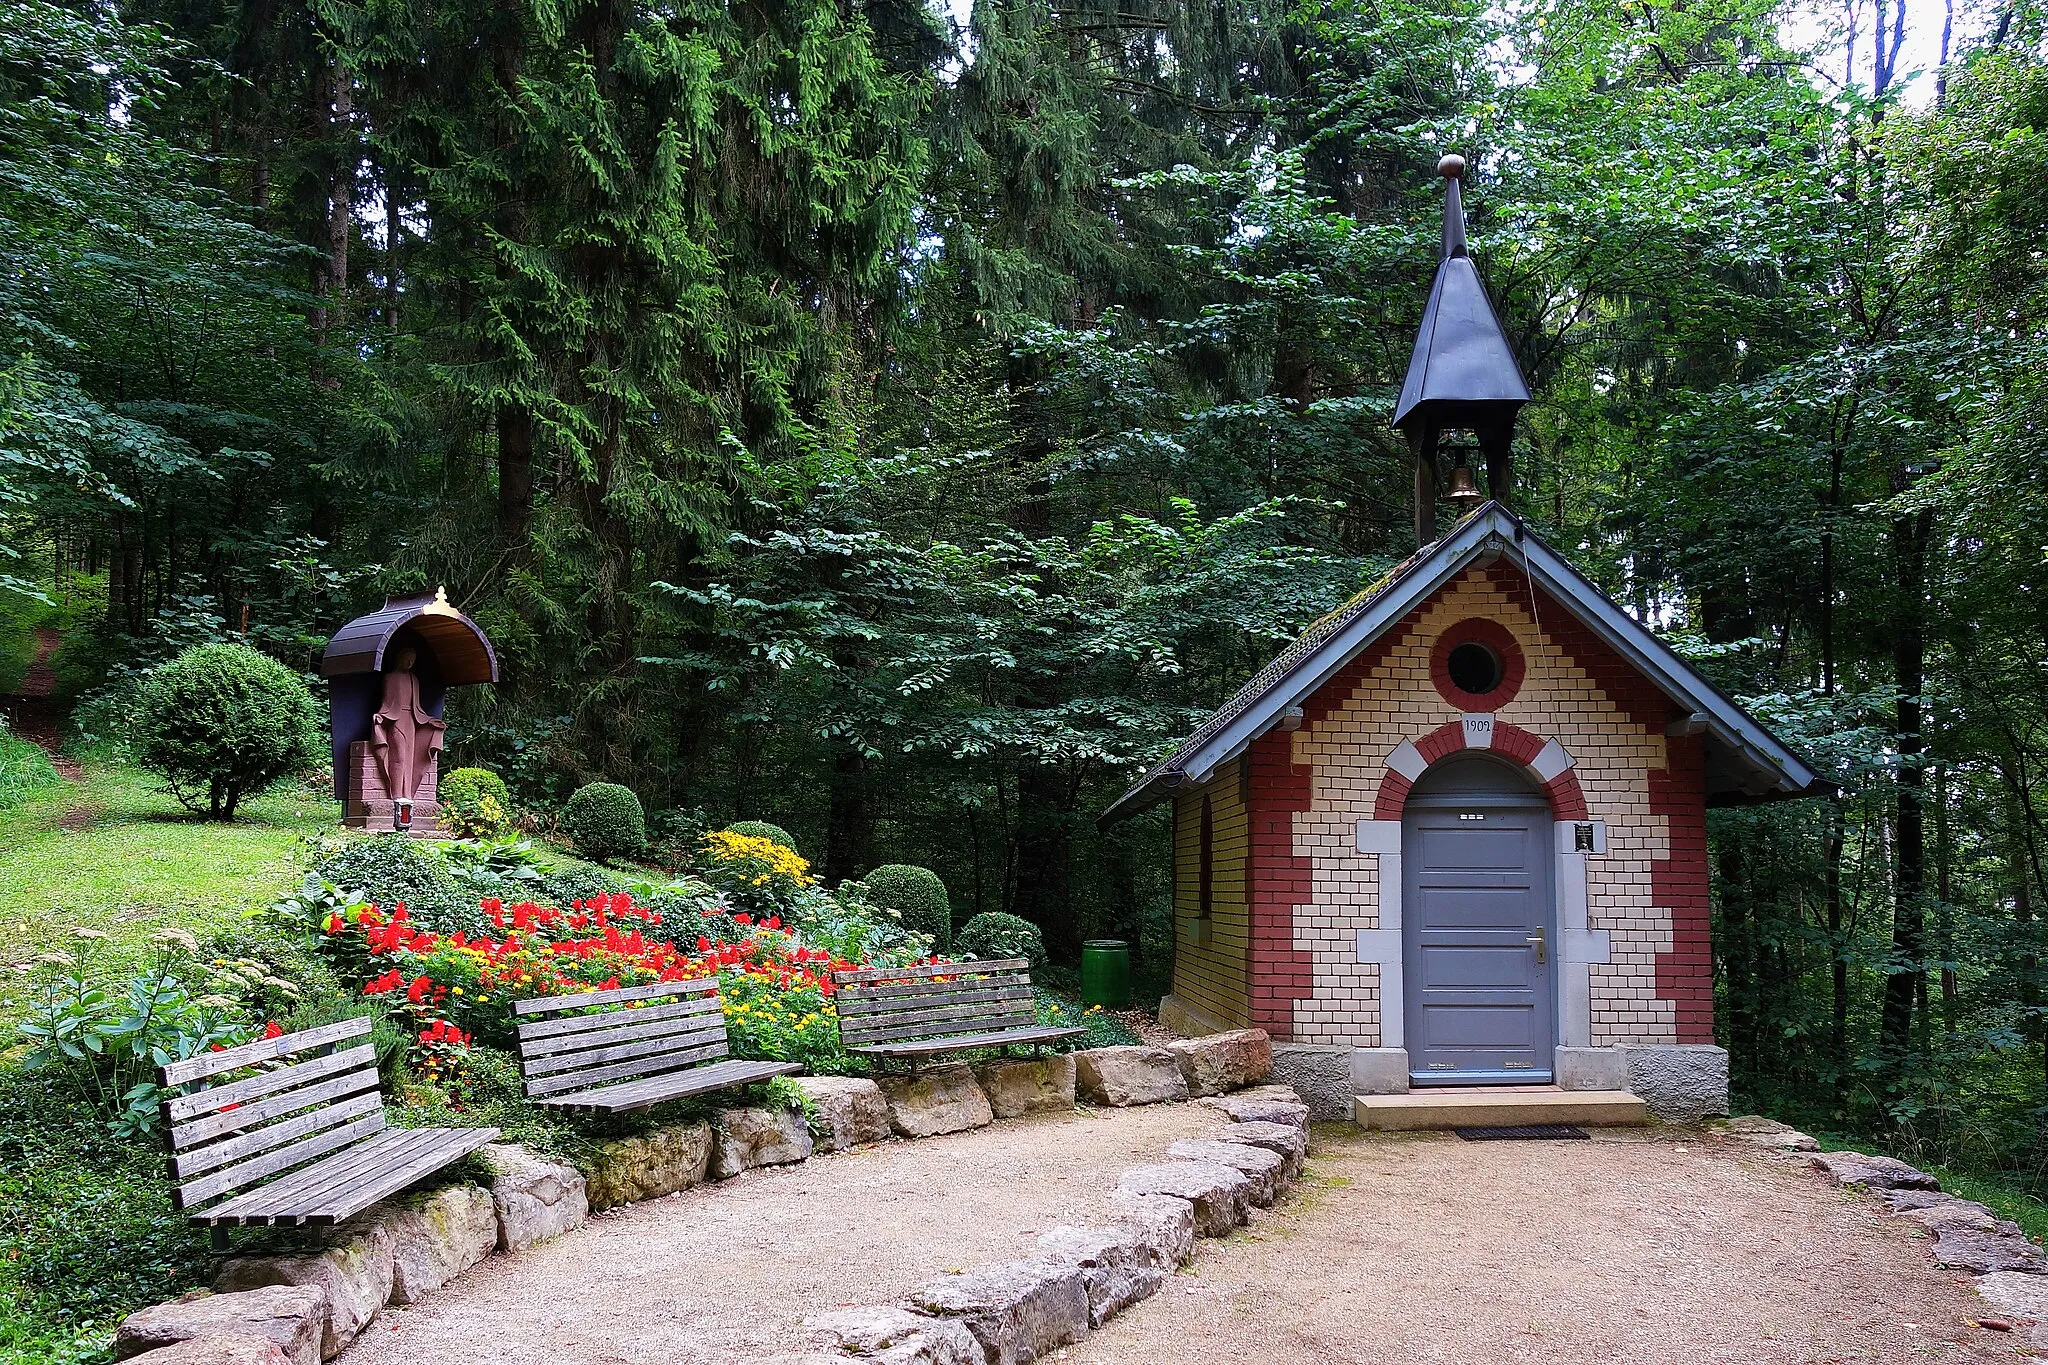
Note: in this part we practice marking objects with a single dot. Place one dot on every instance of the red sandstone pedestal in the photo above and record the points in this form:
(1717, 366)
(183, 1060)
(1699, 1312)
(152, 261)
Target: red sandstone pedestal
(371, 808)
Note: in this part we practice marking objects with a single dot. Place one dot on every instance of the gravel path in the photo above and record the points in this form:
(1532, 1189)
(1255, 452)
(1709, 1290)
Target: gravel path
(727, 1272)
(1632, 1249)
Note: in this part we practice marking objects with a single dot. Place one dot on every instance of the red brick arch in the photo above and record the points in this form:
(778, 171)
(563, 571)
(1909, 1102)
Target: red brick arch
(1511, 742)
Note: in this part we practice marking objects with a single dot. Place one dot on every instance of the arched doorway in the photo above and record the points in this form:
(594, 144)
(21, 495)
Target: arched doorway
(1478, 925)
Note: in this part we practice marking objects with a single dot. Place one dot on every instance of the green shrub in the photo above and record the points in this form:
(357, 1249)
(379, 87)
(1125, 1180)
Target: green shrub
(476, 803)
(221, 723)
(761, 829)
(997, 935)
(24, 769)
(605, 821)
(386, 869)
(917, 895)
(578, 882)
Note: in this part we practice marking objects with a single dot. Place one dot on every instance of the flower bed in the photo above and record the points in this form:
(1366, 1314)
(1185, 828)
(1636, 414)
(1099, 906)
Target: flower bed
(451, 988)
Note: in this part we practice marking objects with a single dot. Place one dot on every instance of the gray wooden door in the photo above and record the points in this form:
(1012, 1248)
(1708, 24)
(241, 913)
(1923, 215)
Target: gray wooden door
(1479, 945)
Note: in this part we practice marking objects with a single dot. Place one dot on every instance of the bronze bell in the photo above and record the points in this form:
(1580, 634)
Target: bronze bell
(1464, 493)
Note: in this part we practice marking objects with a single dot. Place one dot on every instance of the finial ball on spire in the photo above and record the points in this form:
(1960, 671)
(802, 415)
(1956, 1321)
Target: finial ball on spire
(1452, 167)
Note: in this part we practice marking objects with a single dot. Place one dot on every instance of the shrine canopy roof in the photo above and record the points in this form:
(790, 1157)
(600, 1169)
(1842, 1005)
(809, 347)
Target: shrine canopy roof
(461, 651)
(1745, 761)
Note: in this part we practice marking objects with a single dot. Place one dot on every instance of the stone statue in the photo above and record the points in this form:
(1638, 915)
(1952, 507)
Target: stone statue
(405, 738)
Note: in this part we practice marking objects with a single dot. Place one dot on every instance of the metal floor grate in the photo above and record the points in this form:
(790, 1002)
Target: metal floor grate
(1528, 1132)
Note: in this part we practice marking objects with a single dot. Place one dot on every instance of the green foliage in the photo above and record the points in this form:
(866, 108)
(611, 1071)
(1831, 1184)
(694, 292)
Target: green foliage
(993, 935)
(87, 1231)
(605, 821)
(1102, 1029)
(579, 881)
(221, 723)
(388, 870)
(105, 1032)
(917, 896)
(477, 803)
(761, 829)
(24, 769)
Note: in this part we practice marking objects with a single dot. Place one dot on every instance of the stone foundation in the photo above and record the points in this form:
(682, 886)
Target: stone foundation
(1680, 1082)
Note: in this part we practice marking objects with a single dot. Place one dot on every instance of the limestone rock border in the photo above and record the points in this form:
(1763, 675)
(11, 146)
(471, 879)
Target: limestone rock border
(2009, 1271)
(312, 1304)
(1020, 1311)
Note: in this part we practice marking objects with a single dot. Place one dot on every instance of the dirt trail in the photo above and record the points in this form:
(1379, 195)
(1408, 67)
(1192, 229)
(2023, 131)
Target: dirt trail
(32, 711)
(728, 1272)
(1633, 1249)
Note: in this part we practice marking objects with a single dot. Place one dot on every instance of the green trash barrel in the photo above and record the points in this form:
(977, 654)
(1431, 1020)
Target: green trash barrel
(1106, 973)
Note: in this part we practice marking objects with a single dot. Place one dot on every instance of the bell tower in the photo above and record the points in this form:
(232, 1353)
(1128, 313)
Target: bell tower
(1462, 377)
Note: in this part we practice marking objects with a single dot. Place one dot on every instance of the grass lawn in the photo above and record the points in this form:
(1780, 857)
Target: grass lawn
(112, 852)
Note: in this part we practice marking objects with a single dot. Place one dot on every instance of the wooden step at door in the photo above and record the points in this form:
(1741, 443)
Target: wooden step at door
(1485, 1107)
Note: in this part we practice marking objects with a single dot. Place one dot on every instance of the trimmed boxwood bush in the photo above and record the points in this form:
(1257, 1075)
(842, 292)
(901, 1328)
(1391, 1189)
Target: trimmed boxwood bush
(477, 802)
(222, 723)
(917, 895)
(761, 829)
(578, 882)
(386, 869)
(604, 820)
(994, 934)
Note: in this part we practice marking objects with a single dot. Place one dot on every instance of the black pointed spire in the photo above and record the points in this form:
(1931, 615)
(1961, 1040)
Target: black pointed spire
(1463, 374)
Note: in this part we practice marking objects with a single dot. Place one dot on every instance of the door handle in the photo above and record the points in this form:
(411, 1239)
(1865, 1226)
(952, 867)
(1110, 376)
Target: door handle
(1542, 948)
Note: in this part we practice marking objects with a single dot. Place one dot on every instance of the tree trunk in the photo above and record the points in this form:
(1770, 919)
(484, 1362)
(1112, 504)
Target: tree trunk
(515, 471)
(850, 829)
(1909, 839)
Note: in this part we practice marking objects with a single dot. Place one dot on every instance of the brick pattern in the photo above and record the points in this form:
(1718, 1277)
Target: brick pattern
(1209, 969)
(1312, 889)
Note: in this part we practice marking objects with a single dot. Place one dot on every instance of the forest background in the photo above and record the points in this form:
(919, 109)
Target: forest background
(903, 426)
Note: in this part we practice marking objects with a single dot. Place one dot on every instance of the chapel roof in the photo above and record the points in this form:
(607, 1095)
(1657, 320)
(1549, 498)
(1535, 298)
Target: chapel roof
(1745, 761)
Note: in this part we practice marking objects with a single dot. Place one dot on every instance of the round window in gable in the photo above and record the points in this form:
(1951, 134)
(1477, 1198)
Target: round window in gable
(1475, 670)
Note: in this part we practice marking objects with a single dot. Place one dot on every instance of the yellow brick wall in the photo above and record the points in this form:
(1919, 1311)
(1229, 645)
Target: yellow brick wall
(1209, 963)
(1348, 749)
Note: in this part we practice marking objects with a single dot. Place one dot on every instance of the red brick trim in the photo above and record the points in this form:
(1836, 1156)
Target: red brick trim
(1678, 885)
(1497, 638)
(1520, 747)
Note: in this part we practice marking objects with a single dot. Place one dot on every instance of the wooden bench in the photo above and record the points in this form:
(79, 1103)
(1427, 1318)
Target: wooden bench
(909, 1013)
(635, 1055)
(250, 1139)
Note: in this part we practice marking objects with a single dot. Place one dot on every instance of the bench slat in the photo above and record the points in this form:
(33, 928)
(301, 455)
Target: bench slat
(928, 1047)
(581, 1023)
(979, 965)
(944, 1028)
(589, 1058)
(215, 1098)
(908, 993)
(262, 1050)
(193, 1132)
(555, 1004)
(656, 1064)
(203, 1159)
(292, 1193)
(863, 1003)
(881, 1011)
(653, 1090)
(975, 1009)
(250, 1172)
(455, 1144)
(591, 1039)
(298, 1196)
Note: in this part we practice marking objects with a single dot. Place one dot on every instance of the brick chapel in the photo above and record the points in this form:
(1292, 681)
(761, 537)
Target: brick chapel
(1456, 833)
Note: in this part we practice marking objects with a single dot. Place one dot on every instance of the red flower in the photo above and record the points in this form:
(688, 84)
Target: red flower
(273, 1029)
